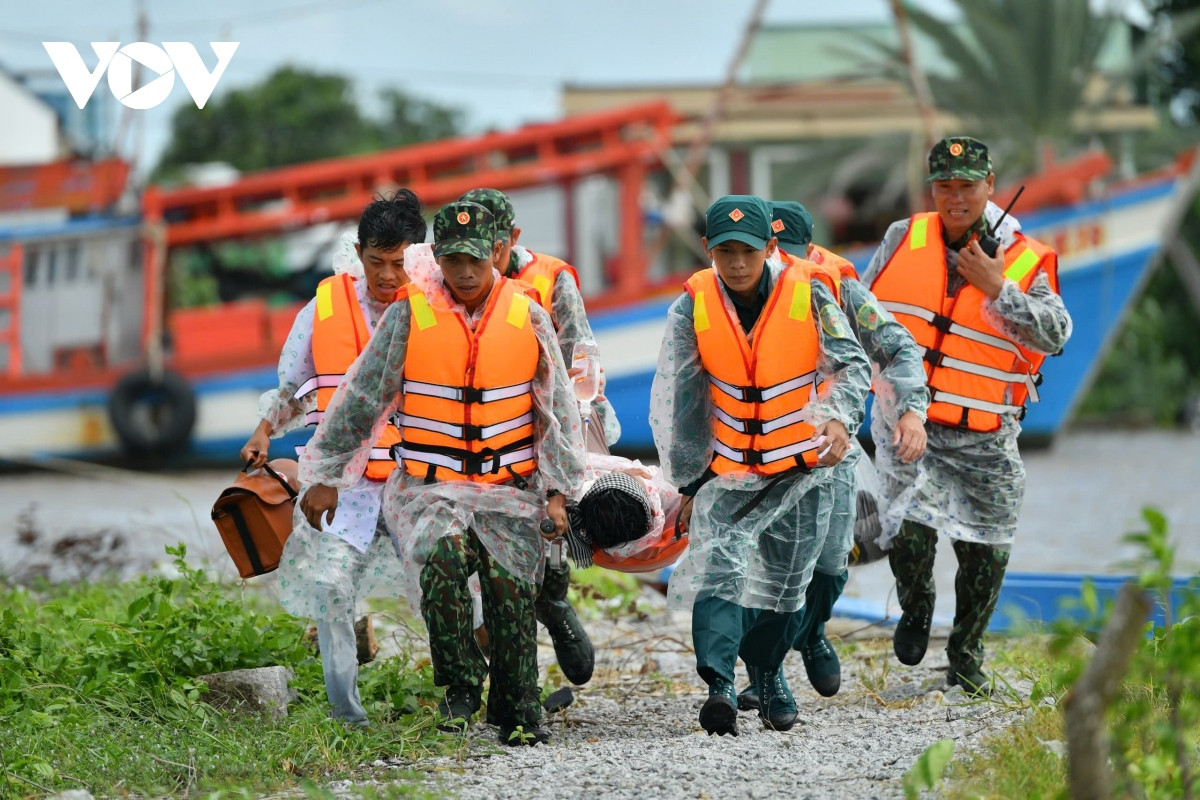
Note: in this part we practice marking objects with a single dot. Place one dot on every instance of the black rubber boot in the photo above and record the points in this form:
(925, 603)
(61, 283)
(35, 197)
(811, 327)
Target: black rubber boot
(719, 713)
(572, 647)
(457, 708)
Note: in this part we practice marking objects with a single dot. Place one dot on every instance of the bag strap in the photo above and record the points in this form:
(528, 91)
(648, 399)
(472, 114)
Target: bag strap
(287, 487)
(247, 540)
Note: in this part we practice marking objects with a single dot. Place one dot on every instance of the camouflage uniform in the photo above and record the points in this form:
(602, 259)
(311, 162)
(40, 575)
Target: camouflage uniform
(452, 528)
(969, 485)
(508, 615)
(571, 324)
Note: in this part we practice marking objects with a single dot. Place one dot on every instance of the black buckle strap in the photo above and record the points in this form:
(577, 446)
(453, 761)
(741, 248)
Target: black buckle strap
(941, 322)
(934, 357)
(751, 394)
(472, 433)
(471, 394)
(754, 427)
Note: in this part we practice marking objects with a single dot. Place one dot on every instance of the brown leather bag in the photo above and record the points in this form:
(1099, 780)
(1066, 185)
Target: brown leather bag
(254, 516)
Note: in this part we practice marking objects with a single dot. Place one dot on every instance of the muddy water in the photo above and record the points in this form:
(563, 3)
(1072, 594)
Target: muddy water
(1083, 495)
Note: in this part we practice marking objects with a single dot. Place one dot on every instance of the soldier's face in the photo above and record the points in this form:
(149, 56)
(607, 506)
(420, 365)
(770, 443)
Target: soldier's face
(960, 203)
(739, 264)
(506, 249)
(384, 270)
(469, 278)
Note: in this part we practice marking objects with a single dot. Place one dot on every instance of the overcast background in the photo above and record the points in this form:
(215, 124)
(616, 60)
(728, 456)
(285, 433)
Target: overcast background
(502, 62)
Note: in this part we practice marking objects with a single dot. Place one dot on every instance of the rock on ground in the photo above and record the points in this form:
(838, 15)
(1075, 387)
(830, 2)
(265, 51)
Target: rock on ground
(263, 690)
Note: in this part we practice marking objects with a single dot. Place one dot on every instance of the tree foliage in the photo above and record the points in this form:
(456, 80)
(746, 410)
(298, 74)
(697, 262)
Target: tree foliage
(297, 115)
(1178, 66)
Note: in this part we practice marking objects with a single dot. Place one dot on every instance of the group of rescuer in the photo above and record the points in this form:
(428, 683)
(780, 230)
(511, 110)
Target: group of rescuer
(451, 459)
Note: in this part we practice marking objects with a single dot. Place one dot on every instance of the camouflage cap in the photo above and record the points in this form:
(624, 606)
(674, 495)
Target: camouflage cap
(463, 228)
(791, 223)
(959, 158)
(496, 202)
(741, 217)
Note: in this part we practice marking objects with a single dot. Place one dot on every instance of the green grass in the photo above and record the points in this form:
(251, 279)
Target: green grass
(98, 691)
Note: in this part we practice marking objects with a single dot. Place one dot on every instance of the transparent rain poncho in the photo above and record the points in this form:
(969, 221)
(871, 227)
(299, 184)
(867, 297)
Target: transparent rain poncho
(571, 322)
(418, 514)
(898, 383)
(322, 574)
(968, 485)
(766, 559)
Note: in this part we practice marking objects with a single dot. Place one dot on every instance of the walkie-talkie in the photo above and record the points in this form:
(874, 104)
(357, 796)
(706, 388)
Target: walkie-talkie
(990, 244)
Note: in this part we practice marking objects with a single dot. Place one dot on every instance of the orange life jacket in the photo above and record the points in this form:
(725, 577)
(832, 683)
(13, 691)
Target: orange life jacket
(825, 274)
(969, 365)
(542, 274)
(468, 397)
(827, 258)
(339, 334)
(759, 384)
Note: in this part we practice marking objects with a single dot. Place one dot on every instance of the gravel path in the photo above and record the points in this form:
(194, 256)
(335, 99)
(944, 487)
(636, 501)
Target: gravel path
(633, 731)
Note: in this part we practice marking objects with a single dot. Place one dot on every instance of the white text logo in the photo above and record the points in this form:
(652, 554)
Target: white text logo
(162, 61)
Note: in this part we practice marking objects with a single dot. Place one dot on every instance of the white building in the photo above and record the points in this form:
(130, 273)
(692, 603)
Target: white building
(29, 128)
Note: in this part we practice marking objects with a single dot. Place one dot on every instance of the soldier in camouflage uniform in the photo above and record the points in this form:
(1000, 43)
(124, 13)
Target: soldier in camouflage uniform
(454, 516)
(572, 646)
(971, 482)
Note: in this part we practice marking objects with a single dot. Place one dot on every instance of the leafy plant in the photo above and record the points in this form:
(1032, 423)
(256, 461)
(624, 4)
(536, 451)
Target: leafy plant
(928, 769)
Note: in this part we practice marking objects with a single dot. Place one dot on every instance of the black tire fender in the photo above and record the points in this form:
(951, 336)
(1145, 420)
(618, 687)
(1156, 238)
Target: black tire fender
(152, 414)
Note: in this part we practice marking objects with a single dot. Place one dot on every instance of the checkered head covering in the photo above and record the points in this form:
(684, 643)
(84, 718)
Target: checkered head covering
(614, 511)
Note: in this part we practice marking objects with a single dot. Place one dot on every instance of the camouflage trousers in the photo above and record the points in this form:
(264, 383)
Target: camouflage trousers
(508, 616)
(976, 587)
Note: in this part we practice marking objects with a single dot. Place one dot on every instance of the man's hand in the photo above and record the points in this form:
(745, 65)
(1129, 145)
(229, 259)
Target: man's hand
(984, 272)
(837, 442)
(256, 447)
(684, 521)
(316, 502)
(556, 510)
(909, 437)
(637, 472)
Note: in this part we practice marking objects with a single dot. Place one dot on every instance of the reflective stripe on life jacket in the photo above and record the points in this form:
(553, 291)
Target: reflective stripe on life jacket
(975, 374)
(468, 401)
(542, 274)
(759, 384)
(340, 333)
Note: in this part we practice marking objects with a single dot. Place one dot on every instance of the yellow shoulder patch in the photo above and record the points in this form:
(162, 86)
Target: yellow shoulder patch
(421, 312)
(700, 313)
(518, 310)
(324, 301)
(831, 321)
